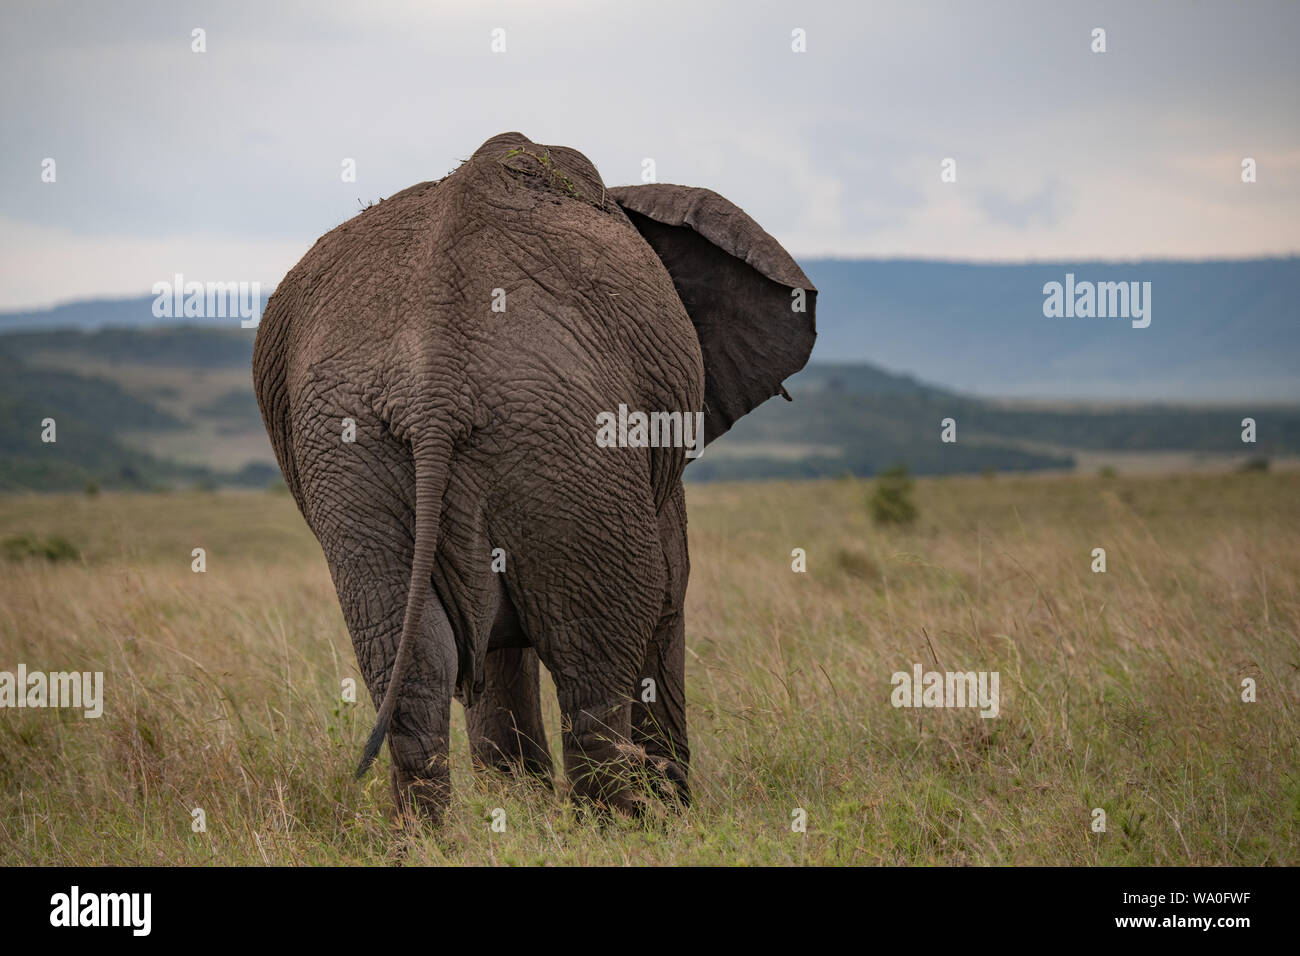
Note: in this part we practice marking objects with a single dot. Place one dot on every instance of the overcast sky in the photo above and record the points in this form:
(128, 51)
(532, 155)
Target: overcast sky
(225, 165)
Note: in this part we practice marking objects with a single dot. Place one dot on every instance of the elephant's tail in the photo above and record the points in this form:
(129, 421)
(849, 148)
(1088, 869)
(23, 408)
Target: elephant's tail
(431, 467)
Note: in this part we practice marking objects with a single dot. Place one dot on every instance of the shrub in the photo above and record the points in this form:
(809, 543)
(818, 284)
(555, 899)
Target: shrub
(891, 500)
(19, 547)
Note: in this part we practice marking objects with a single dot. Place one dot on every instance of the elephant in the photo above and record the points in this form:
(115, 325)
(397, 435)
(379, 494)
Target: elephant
(433, 375)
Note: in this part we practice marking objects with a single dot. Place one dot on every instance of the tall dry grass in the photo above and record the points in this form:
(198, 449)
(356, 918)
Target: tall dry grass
(1119, 691)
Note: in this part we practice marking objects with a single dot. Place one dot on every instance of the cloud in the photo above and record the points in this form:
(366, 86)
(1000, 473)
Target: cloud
(40, 266)
(1045, 207)
(1062, 152)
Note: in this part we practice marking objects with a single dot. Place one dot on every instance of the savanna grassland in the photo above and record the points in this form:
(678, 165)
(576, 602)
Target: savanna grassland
(1119, 690)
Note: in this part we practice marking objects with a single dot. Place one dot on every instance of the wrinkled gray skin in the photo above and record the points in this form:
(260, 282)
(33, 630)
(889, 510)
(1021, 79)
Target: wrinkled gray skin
(476, 430)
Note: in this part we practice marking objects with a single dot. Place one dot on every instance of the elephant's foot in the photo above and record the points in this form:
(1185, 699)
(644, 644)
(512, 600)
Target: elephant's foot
(421, 799)
(632, 784)
(598, 773)
(611, 773)
(658, 776)
(517, 757)
(605, 786)
(664, 766)
(420, 779)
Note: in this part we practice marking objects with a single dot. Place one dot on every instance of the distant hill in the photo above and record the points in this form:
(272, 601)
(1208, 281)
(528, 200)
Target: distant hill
(858, 419)
(121, 403)
(85, 412)
(92, 314)
(187, 346)
(157, 407)
(1220, 330)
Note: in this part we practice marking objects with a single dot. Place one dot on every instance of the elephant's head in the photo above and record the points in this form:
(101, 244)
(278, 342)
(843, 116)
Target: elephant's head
(753, 308)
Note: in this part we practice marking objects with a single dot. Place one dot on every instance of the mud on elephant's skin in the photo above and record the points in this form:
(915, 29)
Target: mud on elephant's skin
(475, 431)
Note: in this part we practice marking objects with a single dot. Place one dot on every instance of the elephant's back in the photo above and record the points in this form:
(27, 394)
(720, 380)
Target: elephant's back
(503, 259)
(359, 274)
(515, 285)
(353, 314)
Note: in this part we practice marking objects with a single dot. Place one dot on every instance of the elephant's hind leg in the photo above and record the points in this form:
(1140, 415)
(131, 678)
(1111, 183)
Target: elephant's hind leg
(418, 732)
(659, 713)
(360, 504)
(505, 722)
(592, 590)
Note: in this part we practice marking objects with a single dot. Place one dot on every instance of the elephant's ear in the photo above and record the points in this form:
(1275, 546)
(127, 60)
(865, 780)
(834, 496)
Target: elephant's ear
(742, 291)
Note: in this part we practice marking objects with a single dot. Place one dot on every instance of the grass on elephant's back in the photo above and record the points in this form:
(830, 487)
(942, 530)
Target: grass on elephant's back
(1119, 690)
